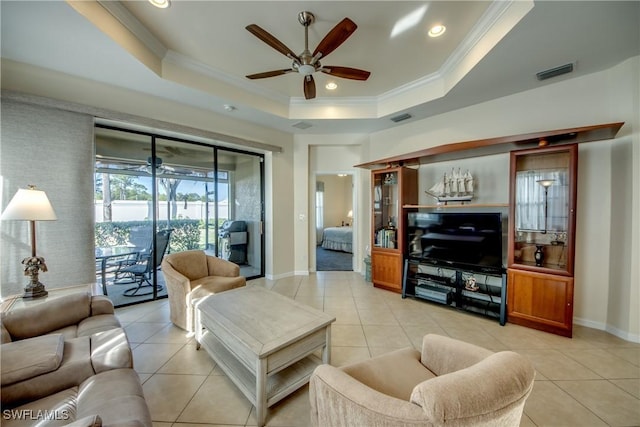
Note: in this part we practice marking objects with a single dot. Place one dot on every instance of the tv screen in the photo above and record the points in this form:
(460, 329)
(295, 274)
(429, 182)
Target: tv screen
(463, 240)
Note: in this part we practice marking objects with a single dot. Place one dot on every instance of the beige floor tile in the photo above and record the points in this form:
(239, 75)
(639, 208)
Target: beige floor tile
(140, 332)
(631, 386)
(347, 336)
(316, 302)
(161, 424)
(339, 302)
(170, 334)
(630, 354)
(386, 336)
(613, 405)
(342, 356)
(548, 405)
(217, 401)
(344, 316)
(189, 361)
(382, 316)
(475, 335)
(605, 364)
(292, 411)
(148, 358)
(340, 290)
(160, 315)
(555, 365)
(168, 395)
(379, 351)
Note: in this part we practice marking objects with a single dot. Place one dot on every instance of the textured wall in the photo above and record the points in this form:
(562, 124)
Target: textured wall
(53, 150)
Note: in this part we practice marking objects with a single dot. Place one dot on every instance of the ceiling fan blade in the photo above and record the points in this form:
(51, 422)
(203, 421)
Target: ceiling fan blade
(309, 87)
(335, 37)
(269, 74)
(270, 40)
(346, 72)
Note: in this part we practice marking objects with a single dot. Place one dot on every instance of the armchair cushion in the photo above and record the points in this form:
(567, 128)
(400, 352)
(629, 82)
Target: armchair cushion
(394, 374)
(31, 357)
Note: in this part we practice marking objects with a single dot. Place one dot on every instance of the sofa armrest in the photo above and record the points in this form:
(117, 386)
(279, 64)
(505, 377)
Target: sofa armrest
(101, 304)
(336, 397)
(28, 358)
(222, 267)
(443, 355)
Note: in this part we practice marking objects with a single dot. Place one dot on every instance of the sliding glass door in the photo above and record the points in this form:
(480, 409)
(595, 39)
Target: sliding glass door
(195, 196)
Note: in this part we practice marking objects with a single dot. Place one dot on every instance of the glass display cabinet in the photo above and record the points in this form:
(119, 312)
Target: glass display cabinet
(391, 189)
(541, 238)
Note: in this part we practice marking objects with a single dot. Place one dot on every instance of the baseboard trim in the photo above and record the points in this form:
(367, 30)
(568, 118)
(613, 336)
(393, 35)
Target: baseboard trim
(625, 335)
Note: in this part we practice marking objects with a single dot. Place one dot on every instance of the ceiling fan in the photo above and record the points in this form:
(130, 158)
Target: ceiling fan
(308, 63)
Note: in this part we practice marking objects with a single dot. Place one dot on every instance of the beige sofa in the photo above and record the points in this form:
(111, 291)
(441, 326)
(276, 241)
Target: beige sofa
(68, 360)
(191, 275)
(450, 383)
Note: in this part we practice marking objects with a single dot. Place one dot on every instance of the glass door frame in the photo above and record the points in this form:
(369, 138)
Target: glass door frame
(215, 167)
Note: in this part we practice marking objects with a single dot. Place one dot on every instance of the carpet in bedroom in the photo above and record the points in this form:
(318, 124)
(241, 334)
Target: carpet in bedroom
(327, 260)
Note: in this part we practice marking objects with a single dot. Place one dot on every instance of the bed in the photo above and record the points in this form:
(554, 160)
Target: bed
(338, 239)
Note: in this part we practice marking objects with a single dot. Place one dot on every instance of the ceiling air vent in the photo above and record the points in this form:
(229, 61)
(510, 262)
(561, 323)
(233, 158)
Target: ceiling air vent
(302, 125)
(553, 72)
(400, 117)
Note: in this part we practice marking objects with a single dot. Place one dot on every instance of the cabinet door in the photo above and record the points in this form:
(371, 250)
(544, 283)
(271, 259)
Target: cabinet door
(540, 301)
(386, 270)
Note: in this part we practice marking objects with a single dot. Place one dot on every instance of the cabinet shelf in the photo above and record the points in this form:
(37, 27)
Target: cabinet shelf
(446, 286)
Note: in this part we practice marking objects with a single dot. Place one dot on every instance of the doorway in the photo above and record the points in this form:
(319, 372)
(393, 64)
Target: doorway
(334, 222)
(149, 187)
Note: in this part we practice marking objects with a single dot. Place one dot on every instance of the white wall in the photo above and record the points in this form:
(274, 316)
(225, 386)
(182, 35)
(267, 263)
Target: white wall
(608, 218)
(278, 166)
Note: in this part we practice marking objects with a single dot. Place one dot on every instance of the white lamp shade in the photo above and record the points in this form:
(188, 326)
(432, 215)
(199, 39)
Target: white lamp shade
(29, 205)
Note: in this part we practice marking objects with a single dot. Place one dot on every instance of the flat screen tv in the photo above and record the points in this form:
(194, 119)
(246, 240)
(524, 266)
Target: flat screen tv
(461, 240)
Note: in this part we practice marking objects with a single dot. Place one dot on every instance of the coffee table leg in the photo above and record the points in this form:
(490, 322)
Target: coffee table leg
(326, 351)
(261, 392)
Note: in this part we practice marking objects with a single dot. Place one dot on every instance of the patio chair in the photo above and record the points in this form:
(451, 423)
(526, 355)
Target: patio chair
(143, 269)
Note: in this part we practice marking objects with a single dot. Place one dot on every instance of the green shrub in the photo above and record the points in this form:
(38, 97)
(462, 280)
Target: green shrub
(185, 234)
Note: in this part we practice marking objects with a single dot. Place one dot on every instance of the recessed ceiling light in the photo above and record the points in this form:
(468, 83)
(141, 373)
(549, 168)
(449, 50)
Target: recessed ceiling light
(331, 86)
(229, 107)
(437, 30)
(162, 4)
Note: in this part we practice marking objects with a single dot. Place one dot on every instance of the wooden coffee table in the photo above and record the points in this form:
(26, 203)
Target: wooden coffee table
(263, 341)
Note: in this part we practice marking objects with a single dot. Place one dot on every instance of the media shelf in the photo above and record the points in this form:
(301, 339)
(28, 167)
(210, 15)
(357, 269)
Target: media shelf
(478, 292)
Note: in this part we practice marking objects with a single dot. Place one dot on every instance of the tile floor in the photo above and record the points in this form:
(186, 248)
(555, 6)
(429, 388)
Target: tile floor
(590, 380)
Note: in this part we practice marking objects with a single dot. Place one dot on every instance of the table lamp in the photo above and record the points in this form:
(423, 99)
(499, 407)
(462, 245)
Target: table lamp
(31, 205)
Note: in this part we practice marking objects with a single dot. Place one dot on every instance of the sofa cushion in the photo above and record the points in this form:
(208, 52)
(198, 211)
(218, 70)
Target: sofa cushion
(492, 385)
(43, 318)
(110, 350)
(60, 410)
(393, 374)
(31, 357)
(75, 368)
(95, 324)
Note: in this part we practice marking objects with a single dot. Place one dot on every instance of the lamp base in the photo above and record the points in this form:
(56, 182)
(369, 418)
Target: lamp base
(33, 265)
(37, 291)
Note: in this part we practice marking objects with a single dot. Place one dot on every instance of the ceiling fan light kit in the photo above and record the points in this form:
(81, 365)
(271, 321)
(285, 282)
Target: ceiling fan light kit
(308, 63)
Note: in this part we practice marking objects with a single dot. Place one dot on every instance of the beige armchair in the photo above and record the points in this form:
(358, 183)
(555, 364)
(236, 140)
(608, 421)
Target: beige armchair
(191, 275)
(450, 383)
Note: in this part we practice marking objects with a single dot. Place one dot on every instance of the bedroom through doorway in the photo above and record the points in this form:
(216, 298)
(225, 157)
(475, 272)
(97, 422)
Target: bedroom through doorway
(334, 222)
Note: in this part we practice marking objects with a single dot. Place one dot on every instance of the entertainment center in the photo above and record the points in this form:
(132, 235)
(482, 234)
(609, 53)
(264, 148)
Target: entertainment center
(510, 261)
(456, 259)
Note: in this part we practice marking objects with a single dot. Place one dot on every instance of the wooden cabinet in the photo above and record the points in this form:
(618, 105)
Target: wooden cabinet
(391, 189)
(541, 301)
(542, 207)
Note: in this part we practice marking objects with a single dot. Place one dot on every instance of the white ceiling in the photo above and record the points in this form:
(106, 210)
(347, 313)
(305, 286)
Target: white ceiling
(199, 52)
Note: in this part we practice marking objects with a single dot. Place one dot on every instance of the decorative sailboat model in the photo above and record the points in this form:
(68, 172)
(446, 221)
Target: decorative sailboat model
(455, 187)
